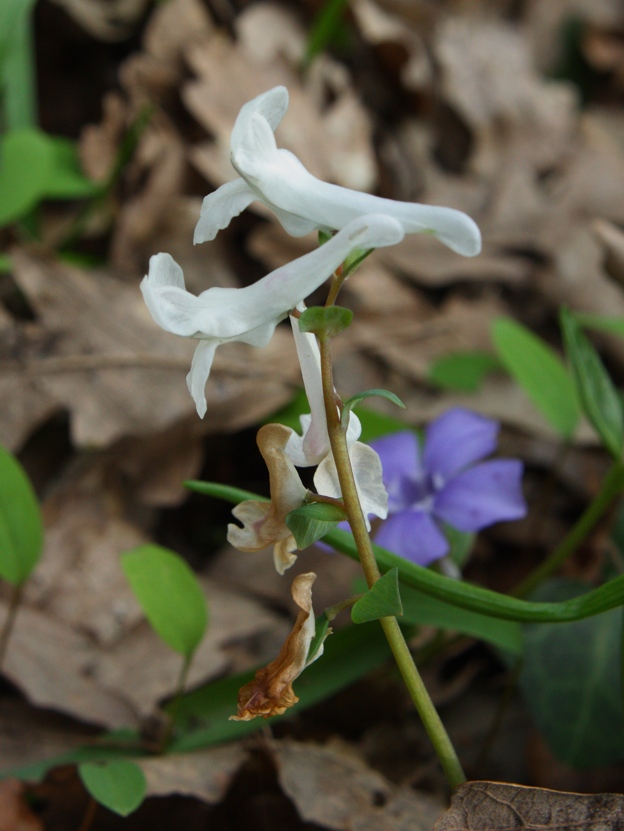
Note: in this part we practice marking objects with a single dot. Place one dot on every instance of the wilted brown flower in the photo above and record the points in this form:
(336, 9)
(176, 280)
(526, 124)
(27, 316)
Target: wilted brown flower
(264, 523)
(271, 692)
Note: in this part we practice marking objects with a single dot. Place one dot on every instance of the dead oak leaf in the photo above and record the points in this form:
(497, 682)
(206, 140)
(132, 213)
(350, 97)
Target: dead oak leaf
(494, 806)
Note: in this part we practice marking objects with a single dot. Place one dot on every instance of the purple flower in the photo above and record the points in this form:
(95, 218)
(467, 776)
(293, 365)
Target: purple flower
(445, 481)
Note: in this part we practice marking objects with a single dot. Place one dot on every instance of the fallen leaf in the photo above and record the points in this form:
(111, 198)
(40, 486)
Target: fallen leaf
(338, 790)
(206, 774)
(15, 814)
(490, 806)
(108, 20)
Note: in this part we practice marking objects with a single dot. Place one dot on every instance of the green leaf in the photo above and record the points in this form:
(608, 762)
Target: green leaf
(540, 372)
(462, 594)
(461, 542)
(355, 399)
(599, 398)
(35, 166)
(381, 600)
(320, 635)
(21, 528)
(601, 323)
(462, 371)
(571, 683)
(311, 522)
(169, 594)
(119, 786)
(423, 610)
(325, 28)
(325, 322)
(324, 236)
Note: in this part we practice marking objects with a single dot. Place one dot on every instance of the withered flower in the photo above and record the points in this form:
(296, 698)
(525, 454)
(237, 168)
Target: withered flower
(264, 523)
(271, 692)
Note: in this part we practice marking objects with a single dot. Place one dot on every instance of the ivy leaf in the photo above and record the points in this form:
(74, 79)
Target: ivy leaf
(355, 399)
(21, 528)
(119, 786)
(540, 372)
(599, 397)
(311, 522)
(325, 322)
(169, 594)
(382, 600)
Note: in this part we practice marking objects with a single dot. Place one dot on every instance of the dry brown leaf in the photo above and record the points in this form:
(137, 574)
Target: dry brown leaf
(494, 806)
(15, 814)
(333, 141)
(108, 20)
(338, 790)
(206, 775)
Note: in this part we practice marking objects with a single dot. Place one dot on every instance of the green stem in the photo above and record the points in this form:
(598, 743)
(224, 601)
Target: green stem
(16, 597)
(175, 703)
(405, 662)
(611, 486)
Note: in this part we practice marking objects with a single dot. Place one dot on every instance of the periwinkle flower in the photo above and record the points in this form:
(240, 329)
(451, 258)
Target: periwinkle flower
(303, 203)
(445, 480)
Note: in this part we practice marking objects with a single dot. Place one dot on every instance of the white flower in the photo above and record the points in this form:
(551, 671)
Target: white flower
(250, 314)
(313, 447)
(303, 203)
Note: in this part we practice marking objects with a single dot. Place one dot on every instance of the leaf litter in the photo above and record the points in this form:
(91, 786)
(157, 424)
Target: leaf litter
(436, 104)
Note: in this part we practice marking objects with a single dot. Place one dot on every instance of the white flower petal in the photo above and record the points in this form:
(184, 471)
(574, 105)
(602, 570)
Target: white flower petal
(200, 370)
(220, 207)
(282, 182)
(368, 480)
(271, 105)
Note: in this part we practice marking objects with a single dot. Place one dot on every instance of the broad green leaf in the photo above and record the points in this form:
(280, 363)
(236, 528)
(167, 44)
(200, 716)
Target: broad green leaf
(355, 399)
(21, 528)
(540, 372)
(422, 609)
(381, 600)
(169, 594)
(462, 371)
(601, 323)
(571, 683)
(599, 398)
(119, 786)
(459, 593)
(35, 166)
(325, 322)
(311, 522)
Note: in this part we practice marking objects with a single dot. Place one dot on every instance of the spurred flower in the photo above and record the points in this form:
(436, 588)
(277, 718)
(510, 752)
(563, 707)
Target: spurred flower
(250, 314)
(313, 447)
(444, 480)
(303, 203)
(264, 523)
(271, 692)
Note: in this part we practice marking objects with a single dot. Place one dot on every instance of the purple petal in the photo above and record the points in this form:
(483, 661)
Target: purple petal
(401, 466)
(414, 536)
(484, 494)
(455, 440)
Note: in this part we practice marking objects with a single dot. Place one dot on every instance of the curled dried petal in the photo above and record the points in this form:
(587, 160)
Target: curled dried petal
(271, 692)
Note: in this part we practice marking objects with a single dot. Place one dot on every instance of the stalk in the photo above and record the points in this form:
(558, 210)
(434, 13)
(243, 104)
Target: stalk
(430, 718)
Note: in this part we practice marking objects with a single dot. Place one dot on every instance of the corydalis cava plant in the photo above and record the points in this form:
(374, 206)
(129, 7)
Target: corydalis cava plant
(250, 315)
(303, 203)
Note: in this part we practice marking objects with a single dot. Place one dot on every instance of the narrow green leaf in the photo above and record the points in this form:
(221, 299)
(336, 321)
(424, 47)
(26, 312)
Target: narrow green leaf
(466, 595)
(423, 610)
(462, 371)
(540, 372)
(601, 323)
(382, 600)
(324, 236)
(325, 322)
(21, 528)
(320, 636)
(599, 398)
(119, 786)
(324, 29)
(355, 399)
(571, 683)
(311, 522)
(169, 594)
